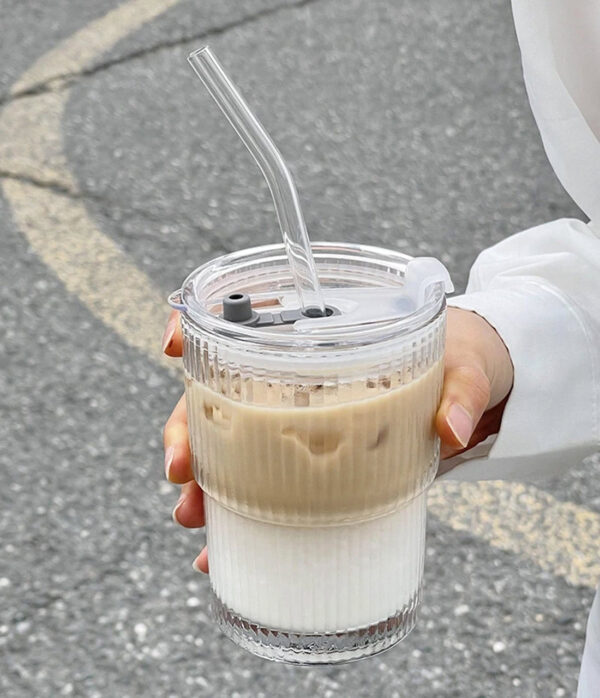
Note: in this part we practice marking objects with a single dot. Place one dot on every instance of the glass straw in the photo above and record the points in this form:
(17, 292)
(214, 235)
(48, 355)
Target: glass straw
(276, 172)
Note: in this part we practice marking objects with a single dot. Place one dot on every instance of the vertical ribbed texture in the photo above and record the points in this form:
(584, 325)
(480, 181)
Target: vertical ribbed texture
(304, 436)
(316, 465)
(316, 579)
(315, 493)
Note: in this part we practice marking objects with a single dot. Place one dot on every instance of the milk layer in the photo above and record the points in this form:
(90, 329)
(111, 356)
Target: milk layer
(316, 579)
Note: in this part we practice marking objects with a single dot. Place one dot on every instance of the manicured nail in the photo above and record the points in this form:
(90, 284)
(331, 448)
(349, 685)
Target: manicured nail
(180, 501)
(461, 423)
(169, 454)
(169, 332)
(196, 565)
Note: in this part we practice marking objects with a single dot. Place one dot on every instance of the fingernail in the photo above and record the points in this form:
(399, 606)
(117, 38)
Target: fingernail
(169, 454)
(169, 332)
(180, 501)
(196, 565)
(461, 423)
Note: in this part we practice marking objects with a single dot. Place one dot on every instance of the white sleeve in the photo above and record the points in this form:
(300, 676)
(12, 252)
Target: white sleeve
(540, 289)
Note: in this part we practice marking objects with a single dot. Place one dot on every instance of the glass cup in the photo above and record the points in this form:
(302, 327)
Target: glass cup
(315, 452)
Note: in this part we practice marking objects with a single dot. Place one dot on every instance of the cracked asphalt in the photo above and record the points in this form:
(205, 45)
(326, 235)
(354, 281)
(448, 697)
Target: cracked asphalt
(406, 125)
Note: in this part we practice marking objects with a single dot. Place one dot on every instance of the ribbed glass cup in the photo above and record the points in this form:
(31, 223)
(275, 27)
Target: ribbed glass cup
(315, 453)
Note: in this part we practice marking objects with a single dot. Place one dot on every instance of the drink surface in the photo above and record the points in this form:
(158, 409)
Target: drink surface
(316, 465)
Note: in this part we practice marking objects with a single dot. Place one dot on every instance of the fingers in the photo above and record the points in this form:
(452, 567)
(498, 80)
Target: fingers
(189, 510)
(172, 342)
(200, 564)
(178, 459)
(465, 397)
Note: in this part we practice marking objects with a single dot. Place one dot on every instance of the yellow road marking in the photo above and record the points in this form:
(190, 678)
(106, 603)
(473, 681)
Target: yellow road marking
(90, 265)
(560, 537)
(77, 52)
(31, 139)
(58, 227)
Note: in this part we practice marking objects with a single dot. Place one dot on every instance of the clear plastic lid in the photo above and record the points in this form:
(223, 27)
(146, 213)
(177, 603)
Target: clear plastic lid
(372, 295)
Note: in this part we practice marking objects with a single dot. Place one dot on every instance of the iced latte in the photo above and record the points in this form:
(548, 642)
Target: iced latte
(315, 451)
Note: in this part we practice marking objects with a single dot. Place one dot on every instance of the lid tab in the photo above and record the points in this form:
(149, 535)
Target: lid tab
(421, 274)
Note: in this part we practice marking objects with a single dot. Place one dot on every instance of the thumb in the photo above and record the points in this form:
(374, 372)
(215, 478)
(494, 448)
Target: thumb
(465, 397)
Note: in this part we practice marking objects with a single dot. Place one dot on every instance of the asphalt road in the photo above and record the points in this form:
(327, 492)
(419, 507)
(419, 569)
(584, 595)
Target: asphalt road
(407, 125)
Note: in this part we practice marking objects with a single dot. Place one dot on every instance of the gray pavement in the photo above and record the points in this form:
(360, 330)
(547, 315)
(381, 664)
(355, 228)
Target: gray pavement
(407, 125)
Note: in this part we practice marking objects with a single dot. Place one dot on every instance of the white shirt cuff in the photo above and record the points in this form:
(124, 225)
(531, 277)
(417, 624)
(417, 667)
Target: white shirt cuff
(550, 421)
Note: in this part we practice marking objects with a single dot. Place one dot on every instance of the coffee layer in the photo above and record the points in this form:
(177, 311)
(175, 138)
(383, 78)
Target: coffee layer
(316, 465)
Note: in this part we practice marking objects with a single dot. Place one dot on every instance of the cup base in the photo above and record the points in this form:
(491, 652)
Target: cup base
(319, 648)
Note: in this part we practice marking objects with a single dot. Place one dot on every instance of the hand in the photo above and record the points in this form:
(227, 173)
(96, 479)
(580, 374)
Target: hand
(478, 378)
(189, 510)
(477, 381)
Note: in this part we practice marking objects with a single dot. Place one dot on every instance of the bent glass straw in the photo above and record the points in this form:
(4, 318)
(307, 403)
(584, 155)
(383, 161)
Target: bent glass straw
(275, 171)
